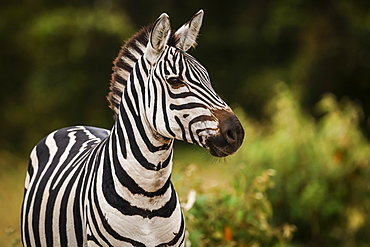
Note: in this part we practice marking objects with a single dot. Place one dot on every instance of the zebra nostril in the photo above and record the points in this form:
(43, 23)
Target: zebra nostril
(230, 136)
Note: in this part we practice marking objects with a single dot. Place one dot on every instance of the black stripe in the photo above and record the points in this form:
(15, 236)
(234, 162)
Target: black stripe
(43, 154)
(164, 67)
(195, 120)
(135, 95)
(78, 221)
(143, 65)
(178, 235)
(187, 106)
(164, 111)
(136, 47)
(64, 207)
(156, 94)
(93, 239)
(140, 80)
(94, 199)
(129, 55)
(120, 80)
(183, 133)
(91, 165)
(126, 181)
(123, 65)
(30, 169)
(140, 127)
(110, 230)
(124, 206)
(155, 106)
(181, 63)
(121, 140)
(136, 151)
(182, 95)
(27, 205)
(54, 193)
(214, 101)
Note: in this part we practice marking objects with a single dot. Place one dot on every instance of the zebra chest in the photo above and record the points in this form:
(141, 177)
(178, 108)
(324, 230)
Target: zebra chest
(124, 211)
(123, 230)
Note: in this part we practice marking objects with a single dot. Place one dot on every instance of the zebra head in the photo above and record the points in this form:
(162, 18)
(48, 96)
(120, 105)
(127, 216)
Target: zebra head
(185, 105)
(175, 89)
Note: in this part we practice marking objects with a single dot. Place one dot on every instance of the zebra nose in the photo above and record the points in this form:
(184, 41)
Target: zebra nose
(230, 137)
(232, 131)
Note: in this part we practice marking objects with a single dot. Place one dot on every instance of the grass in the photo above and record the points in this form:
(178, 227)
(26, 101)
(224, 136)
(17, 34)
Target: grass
(13, 170)
(296, 181)
(12, 175)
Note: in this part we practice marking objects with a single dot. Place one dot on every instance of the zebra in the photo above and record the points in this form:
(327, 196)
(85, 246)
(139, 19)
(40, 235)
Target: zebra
(87, 186)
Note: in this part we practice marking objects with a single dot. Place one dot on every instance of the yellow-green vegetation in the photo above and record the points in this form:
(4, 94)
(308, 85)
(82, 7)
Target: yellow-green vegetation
(300, 179)
(12, 175)
(296, 181)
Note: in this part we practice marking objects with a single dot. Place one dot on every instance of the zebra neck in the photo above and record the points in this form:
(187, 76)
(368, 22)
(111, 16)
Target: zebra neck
(140, 155)
(136, 182)
(141, 152)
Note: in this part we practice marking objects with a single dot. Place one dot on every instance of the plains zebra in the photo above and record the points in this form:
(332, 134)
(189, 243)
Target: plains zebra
(88, 186)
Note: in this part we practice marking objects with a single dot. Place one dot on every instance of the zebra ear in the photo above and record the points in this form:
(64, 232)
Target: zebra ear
(158, 38)
(188, 33)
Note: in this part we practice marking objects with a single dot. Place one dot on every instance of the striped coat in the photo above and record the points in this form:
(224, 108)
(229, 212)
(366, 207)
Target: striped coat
(88, 186)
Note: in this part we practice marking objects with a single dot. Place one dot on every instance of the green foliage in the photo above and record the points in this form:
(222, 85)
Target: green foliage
(12, 177)
(55, 68)
(322, 169)
(240, 216)
(296, 180)
(56, 56)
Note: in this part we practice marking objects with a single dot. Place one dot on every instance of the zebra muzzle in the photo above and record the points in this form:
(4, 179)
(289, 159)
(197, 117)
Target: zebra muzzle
(230, 136)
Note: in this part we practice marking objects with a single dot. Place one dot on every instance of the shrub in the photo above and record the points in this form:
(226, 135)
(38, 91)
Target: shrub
(237, 217)
(293, 174)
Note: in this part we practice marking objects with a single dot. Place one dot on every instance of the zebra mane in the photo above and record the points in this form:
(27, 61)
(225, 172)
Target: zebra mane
(129, 54)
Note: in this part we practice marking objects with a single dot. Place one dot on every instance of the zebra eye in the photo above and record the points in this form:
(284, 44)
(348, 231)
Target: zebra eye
(175, 82)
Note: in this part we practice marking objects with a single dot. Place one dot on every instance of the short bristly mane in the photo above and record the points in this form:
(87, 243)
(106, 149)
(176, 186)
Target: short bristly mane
(129, 54)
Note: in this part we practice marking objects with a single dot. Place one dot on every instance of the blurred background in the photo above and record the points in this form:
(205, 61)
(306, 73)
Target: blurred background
(297, 72)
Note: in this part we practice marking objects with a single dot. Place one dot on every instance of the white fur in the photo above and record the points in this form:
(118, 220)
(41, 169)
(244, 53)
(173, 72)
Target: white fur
(158, 38)
(188, 33)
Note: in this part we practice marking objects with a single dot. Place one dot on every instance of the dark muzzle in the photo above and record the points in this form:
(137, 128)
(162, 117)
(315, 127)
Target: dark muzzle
(230, 137)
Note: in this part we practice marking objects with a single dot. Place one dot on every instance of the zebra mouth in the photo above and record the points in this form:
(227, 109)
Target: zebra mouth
(219, 146)
(216, 151)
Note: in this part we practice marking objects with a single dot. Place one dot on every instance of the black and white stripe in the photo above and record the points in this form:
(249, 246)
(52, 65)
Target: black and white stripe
(88, 186)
